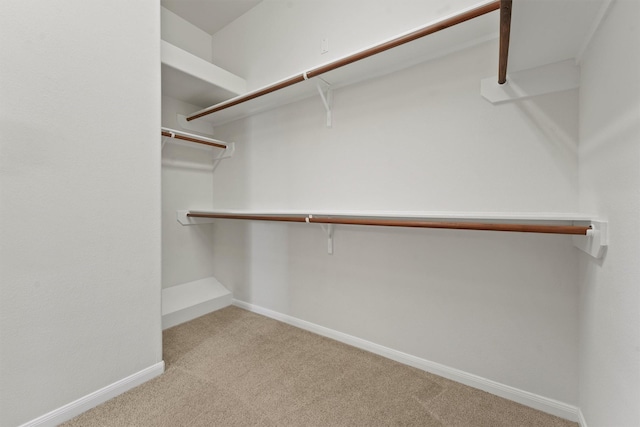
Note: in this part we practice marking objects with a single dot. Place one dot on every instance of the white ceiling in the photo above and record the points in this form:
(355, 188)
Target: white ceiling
(542, 31)
(209, 15)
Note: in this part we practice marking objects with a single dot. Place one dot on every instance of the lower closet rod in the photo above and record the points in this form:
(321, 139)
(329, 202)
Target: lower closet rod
(522, 228)
(285, 218)
(191, 139)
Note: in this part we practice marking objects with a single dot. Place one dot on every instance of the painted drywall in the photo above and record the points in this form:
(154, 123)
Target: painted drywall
(187, 183)
(610, 186)
(185, 35)
(501, 306)
(426, 139)
(79, 200)
(187, 173)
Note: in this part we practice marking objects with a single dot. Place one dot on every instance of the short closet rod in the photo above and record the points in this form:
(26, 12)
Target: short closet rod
(505, 31)
(440, 25)
(285, 218)
(392, 222)
(191, 139)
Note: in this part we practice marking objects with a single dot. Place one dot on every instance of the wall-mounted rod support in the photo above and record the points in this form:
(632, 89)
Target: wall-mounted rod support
(326, 95)
(402, 222)
(329, 231)
(596, 241)
(172, 133)
(398, 41)
(505, 31)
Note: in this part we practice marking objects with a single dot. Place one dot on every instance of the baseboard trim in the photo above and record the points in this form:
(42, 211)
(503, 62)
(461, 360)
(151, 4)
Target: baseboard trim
(94, 399)
(581, 420)
(550, 406)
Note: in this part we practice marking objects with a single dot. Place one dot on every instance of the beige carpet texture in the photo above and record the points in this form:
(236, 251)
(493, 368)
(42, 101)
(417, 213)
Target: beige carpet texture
(236, 368)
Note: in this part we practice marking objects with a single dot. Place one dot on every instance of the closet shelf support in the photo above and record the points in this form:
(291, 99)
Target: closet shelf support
(326, 95)
(596, 241)
(328, 230)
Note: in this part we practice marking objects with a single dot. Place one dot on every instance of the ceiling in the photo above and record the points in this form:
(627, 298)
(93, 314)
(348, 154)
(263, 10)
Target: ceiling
(209, 15)
(540, 34)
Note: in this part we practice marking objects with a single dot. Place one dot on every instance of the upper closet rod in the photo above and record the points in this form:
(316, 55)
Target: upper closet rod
(505, 31)
(172, 133)
(441, 25)
(393, 222)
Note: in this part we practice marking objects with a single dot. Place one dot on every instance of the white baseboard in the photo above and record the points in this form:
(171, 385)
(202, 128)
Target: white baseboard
(187, 301)
(550, 406)
(94, 399)
(581, 420)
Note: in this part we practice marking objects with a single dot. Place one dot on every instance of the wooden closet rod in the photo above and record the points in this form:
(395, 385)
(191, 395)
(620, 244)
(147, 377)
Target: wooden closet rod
(434, 28)
(285, 218)
(390, 222)
(441, 25)
(505, 31)
(192, 139)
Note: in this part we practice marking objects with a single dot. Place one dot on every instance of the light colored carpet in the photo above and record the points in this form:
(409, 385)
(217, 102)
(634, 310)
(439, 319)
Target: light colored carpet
(236, 368)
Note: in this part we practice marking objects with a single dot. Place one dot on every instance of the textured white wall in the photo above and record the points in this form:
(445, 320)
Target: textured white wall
(419, 140)
(279, 38)
(610, 186)
(79, 199)
(185, 35)
(501, 306)
(187, 183)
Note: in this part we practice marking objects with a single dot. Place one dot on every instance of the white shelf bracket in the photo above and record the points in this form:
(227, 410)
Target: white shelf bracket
(596, 240)
(326, 94)
(225, 154)
(329, 230)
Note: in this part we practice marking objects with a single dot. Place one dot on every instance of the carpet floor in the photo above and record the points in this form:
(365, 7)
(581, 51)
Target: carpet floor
(236, 368)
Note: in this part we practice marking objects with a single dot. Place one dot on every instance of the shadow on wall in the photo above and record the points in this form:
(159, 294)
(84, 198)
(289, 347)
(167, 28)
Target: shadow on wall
(555, 117)
(231, 258)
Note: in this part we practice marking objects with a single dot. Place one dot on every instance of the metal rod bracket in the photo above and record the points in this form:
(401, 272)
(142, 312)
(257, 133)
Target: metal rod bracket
(326, 94)
(226, 154)
(329, 230)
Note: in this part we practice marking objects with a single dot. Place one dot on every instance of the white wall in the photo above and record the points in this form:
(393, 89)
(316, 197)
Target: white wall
(187, 183)
(279, 38)
(610, 186)
(426, 140)
(79, 199)
(185, 35)
(501, 306)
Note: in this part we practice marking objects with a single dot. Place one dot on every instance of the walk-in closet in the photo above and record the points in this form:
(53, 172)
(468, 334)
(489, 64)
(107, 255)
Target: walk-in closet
(438, 192)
